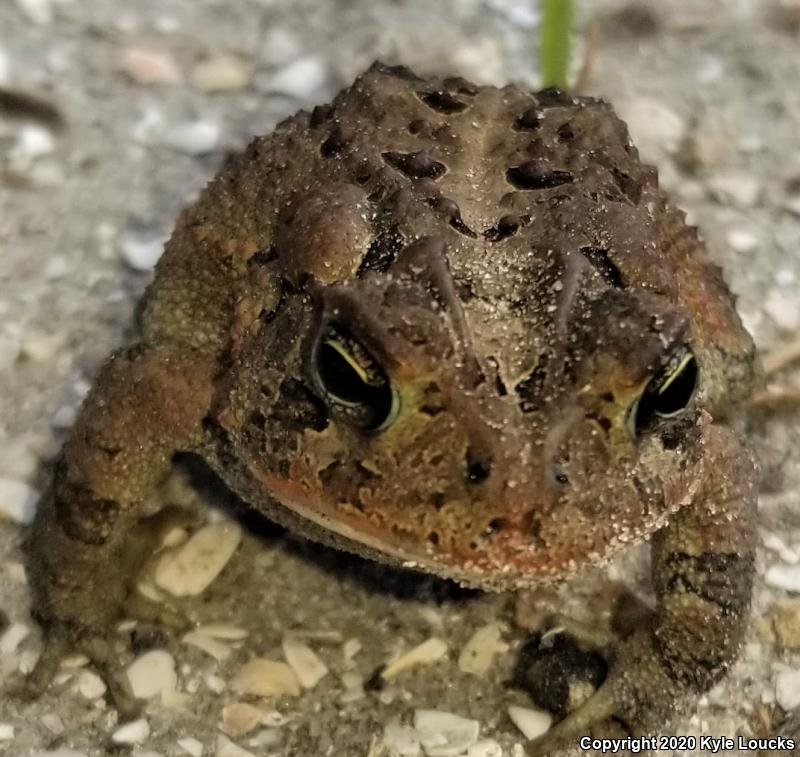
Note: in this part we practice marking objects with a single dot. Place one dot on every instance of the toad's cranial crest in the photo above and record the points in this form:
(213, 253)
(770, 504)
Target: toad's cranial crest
(444, 324)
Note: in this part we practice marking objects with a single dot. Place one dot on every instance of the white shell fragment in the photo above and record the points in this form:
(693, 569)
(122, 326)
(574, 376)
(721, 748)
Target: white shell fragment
(225, 73)
(266, 678)
(485, 748)
(787, 689)
(90, 685)
(15, 634)
(191, 746)
(477, 655)
(226, 748)
(532, 723)
(150, 66)
(216, 649)
(193, 137)
(240, 718)
(17, 501)
(189, 569)
(784, 577)
(308, 668)
(429, 651)
(152, 674)
(401, 740)
(134, 732)
(444, 734)
(300, 79)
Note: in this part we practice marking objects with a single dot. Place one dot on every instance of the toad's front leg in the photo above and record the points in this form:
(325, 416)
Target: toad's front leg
(702, 575)
(90, 534)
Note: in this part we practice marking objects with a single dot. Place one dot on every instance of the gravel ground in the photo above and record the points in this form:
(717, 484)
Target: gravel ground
(152, 96)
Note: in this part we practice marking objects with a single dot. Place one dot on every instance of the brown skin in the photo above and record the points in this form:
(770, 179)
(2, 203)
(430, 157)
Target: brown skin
(509, 280)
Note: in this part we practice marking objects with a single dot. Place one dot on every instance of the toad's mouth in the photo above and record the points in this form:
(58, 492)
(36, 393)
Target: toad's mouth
(509, 561)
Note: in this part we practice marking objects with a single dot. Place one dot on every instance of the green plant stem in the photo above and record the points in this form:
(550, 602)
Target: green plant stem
(554, 42)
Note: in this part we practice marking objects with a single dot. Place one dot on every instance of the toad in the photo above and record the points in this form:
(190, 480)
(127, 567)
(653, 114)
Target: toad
(446, 326)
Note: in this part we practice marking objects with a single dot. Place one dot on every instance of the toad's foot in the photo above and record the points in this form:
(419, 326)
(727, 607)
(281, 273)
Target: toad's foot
(61, 641)
(702, 570)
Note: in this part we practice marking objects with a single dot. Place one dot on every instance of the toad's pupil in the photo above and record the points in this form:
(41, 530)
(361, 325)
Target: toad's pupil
(340, 374)
(668, 393)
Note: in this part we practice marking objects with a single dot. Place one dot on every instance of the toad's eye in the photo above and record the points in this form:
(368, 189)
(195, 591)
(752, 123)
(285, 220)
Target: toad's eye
(669, 392)
(353, 382)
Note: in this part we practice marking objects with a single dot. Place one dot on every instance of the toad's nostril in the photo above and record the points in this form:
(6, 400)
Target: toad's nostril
(478, 469)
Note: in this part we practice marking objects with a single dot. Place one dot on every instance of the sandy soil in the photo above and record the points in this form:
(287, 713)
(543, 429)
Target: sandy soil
(710, 90)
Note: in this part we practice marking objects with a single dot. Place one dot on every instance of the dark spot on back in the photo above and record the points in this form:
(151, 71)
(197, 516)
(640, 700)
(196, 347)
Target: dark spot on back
(565, 132)
(320, 115)
(602, 263)
(417, 126)
(530, 119)
(415, 165)
(461, 85)
(630, 187)
(554, 97)
(442, 101)
(506, 227)
(478, 468)
(337, 141)
(537, 174)
(382, 252)
(450, 209)
(399, 72)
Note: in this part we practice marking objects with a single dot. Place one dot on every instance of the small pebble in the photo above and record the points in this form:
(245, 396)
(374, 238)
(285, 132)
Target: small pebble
(444, 734)
(774, 543)
(140, 251)
(38, 11)
(152, 674)
(14, 635)
(191, 746)
(6, 732)
(17, 501)
(485, 748)
(134, 732)
(226, 748)
(743, 240)
(741, 189)
(477, 655)
(783, 307)
(41, 348)
(532, 723)
(301, 79)
(266, 678)
(654, 126)
(225, 73)
(308, 667)
(189, 569)
(351, 648)
(279, 45)
(64, 417)
(5, 68)
(429, 651)
(787, 689)
(90, 685)
(193, 137)
(53, 723)
(266, 737)
(793, 205)
(150, 66)
(240, 718)
(207, 644)
(225, 631)
(786, 623)
(401, 740)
